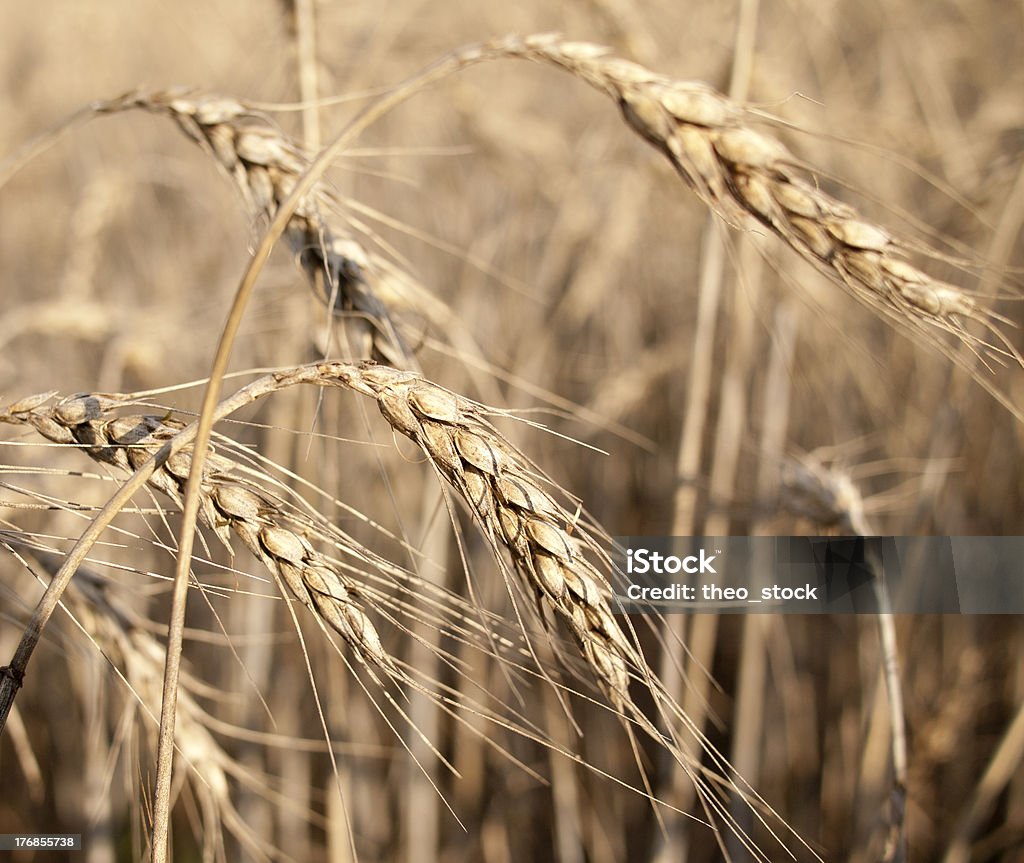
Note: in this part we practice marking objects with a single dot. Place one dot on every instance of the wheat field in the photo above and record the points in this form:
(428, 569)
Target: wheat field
(483, 286)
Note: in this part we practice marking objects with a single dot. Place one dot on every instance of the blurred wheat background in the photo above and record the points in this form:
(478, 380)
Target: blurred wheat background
(721, 385)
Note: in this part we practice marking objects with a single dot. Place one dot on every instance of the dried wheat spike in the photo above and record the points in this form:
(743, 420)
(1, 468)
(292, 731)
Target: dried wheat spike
(751, 178)
(548, 546)
(265, 164)
(509, 505)
(117, 633)
(226, 504)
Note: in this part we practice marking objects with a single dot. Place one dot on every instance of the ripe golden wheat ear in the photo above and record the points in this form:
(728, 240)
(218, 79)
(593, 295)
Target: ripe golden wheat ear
(264, 164)
(228, 504)
(751, 179)
(556, 555)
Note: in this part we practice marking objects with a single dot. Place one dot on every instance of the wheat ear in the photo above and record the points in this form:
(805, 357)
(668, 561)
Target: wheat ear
(827, 496)
(546, 542)
(509, 505)
(139, 658)
(264, 165)
(751, 178)
(227, 504)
